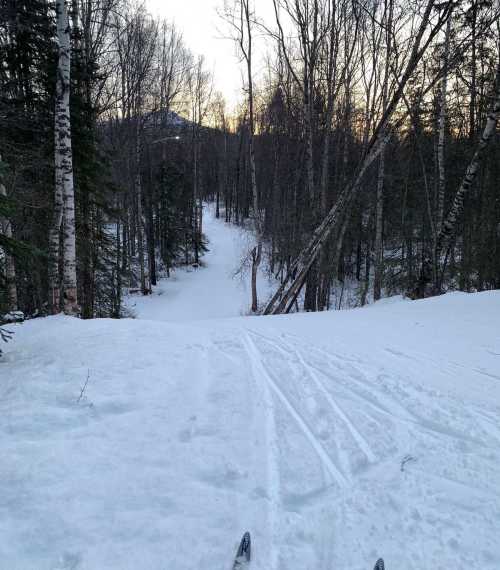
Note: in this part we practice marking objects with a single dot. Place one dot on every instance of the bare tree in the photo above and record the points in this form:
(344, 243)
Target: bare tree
(379, 216)
(137, 37)
(200, 93)
(283, 301)
(240, 17)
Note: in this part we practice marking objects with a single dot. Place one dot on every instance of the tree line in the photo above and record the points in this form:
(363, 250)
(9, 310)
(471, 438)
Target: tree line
(365, 158)
(377, 149)
(101, 113)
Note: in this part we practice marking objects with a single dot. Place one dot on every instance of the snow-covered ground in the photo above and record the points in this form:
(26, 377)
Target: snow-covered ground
(334, 438)
(221, 290)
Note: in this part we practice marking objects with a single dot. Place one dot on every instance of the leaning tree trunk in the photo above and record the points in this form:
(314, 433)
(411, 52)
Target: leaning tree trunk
(457, 207)
(449, 224)
(64, 206)
(296, 276)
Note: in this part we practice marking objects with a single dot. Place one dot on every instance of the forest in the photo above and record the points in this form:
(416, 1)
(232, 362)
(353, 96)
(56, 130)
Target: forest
(249, 284)
(365, 158)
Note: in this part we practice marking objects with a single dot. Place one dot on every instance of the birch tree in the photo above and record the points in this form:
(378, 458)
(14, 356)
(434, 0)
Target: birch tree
(285, 297)
(442, 128)
(10, 268)
(449, 224)
(64, 196)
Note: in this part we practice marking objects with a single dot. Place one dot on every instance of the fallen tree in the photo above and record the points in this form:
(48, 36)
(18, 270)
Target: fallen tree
(284, 298)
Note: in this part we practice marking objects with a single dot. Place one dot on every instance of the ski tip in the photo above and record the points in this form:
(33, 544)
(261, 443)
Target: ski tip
(244, 550)
(242, 559)
(379, 565)
(246, 542)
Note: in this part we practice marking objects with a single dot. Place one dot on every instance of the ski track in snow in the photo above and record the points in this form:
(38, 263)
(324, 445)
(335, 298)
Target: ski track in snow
(303, 425)
(400, 411)
(334, 438)
(309, 370)
(271, 454)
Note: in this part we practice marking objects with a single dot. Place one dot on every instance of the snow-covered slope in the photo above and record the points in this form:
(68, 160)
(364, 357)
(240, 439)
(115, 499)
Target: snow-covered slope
(334, 438)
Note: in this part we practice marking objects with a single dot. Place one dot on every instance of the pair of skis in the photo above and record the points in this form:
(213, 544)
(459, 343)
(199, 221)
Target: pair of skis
(243, 555)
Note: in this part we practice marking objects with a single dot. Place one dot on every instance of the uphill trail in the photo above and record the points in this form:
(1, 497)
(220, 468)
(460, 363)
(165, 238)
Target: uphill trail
(334, 438)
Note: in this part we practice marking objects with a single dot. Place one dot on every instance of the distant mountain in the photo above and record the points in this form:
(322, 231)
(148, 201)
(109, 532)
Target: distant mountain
(166, 119)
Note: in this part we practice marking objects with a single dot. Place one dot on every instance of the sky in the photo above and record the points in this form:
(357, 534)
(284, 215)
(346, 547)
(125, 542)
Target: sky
(204, 32)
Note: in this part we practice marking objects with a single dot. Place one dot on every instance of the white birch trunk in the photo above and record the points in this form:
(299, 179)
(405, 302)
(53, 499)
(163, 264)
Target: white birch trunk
(442, 128)
(379, 225)
(145, 289)
(449, 223)
(64, 190)
(10, 269)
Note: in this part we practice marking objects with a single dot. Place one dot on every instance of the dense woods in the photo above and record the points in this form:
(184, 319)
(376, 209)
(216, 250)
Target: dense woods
(92, 149)
(377, 151)
(366, 158)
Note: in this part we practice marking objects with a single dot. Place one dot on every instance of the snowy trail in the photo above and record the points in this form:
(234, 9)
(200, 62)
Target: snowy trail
(334, 438)
(214, 291)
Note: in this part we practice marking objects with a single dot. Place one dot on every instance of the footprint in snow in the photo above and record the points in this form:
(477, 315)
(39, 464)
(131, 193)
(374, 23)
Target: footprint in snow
(228, 477)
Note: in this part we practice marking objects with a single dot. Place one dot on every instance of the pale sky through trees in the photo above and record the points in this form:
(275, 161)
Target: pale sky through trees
(204, 32)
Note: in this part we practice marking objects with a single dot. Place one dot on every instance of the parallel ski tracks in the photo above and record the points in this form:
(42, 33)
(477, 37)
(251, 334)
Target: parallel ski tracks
(272, 450)
(301, 380)
(269, 387)
(381, 402)
(301, 422)
(286, 351)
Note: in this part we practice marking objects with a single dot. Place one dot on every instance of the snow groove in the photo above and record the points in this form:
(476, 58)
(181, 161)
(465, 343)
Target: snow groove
(286, 349)
(317, 446)
(271, 451)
